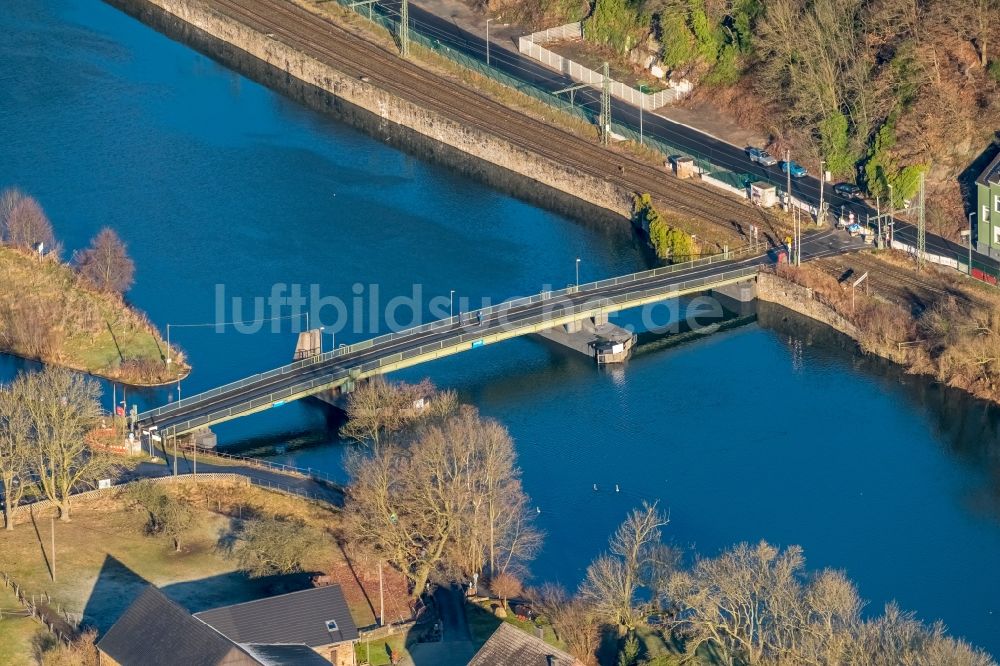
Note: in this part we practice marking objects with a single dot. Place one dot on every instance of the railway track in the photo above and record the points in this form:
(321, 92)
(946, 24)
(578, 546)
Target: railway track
(891, 280)
(358, 55)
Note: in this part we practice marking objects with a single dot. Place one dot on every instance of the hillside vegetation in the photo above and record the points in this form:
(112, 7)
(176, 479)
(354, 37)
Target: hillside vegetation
(882, 90)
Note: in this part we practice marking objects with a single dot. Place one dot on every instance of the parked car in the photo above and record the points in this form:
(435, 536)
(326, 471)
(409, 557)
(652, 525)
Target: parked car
(793, 167)
(761, 157)
(847, 190)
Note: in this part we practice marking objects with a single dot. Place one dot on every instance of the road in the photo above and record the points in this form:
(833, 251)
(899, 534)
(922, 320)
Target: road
(258, 475)
(258, 390)
(732, 158)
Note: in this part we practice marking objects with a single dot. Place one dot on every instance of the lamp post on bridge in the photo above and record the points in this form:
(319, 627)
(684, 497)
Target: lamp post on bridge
(578, 272)
(451, 304)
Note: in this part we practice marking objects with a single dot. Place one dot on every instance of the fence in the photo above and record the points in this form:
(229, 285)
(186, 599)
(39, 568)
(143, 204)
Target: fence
(113, 490)
(530, 45)
(39, 607)
(281, 468)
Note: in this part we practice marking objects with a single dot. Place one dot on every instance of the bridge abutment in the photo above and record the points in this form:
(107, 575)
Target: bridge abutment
(737, 298)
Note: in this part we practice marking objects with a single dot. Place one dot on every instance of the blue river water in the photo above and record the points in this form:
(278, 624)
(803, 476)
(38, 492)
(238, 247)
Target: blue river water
(775, 430)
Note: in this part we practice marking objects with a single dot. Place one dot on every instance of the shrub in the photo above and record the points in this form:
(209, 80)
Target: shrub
(275, 545)
(615, 23)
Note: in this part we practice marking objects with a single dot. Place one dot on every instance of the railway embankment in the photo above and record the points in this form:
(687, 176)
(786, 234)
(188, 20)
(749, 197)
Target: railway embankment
(346, 73)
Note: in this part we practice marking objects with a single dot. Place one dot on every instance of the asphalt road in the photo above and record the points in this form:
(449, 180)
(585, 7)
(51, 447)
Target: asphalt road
(824, 243)
(732, 158)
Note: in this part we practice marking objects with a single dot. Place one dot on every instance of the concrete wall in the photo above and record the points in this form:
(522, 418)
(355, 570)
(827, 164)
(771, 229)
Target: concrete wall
(378, 111)
(530, 45)
(774, 289)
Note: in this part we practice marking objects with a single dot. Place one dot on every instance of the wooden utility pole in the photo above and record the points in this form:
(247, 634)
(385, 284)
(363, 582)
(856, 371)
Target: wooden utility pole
(381, 597)
(52, 524)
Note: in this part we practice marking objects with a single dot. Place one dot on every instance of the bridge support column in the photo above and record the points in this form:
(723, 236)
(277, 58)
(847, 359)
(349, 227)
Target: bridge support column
(595, 337)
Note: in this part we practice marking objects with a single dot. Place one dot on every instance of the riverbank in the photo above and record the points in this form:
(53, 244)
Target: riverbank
(943, 327)
(48, 314)
(342, 70)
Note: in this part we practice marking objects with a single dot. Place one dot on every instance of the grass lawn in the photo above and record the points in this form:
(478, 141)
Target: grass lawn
(103, 561)
(380, 651)
(17, 634)
(51, 315)
(482, 624)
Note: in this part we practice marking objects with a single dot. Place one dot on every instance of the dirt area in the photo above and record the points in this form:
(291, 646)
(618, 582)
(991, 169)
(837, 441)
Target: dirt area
(593, 56)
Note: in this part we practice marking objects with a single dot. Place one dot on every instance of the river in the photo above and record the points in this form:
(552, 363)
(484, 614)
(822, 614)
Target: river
(775, 430)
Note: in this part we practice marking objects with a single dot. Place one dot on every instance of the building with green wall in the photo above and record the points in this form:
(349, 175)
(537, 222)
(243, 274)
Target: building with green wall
(987, 213)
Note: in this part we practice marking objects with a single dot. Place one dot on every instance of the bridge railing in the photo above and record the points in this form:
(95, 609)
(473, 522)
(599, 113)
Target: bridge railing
(453, 322)
(328, 379)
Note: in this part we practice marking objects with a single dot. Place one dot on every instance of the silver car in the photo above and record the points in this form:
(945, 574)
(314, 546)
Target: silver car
(761, 157)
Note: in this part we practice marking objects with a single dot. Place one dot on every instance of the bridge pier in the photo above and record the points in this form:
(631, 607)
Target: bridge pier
(594, 337)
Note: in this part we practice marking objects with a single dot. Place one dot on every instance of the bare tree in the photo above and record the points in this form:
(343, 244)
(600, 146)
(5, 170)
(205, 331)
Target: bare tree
(898, 638)
(573, 621)
(505, 586)
(9, 199)
(378, 409)
(106, 264)
(63, 407)
(27, 225)
(421, 505)
(614, 578)
(15, 441)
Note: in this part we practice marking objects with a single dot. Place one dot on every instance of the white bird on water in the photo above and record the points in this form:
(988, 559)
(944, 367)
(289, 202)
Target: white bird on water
(595, 487)
(616, 488)
(538, 509)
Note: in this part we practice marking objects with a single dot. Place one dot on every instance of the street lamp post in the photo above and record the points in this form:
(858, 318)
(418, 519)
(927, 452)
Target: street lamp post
(969, 230)
(822, 180)
(321, 329)
(578, 272)
(488, 40)
(788, 179)
(168, 347)
(451, 303)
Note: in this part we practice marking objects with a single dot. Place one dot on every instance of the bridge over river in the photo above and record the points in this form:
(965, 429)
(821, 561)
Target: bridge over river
(344, 366)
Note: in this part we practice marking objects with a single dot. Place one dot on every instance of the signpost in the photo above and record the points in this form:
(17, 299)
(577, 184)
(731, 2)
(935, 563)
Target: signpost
(854, 285)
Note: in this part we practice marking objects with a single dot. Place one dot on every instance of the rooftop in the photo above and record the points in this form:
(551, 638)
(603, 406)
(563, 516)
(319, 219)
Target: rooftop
(314, 617)
(991, 174)
(509, 645)
(155, 631)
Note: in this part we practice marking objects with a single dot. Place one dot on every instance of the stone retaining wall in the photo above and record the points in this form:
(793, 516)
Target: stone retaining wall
(378, 111)
(775, 289)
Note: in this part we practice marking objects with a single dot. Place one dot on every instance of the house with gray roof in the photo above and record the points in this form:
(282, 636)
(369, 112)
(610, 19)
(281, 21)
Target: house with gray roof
(509, 645)
(306, 628)
(317, 617)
